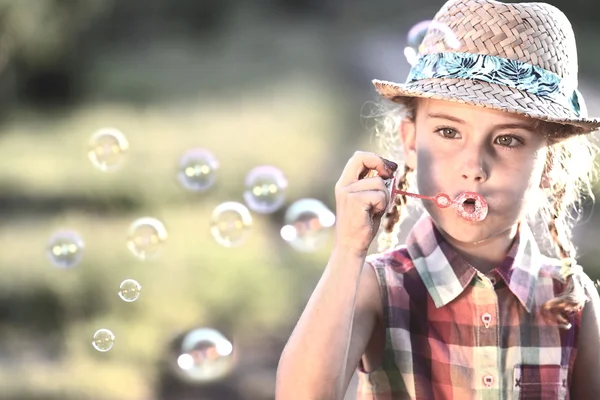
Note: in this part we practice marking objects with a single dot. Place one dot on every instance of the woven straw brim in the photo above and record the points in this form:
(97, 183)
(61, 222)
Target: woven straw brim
(489, 95)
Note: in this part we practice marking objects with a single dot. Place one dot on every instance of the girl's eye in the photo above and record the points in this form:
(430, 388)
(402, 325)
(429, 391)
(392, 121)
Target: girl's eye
(508, 141)
(448, 133)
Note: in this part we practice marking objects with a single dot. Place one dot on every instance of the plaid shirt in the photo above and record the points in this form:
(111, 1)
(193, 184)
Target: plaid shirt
(455, 333)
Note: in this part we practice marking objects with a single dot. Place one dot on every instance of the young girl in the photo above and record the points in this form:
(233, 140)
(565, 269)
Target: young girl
(468, 307)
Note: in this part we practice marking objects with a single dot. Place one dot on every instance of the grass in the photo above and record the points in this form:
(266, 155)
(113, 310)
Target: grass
(194, 282)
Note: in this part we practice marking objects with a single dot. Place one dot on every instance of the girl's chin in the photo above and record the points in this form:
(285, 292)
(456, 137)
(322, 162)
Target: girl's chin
(467, 232)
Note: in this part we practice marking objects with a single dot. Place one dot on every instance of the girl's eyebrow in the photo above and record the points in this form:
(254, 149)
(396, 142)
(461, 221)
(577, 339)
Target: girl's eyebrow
(445, 116)
(512, 125)
(524, 126)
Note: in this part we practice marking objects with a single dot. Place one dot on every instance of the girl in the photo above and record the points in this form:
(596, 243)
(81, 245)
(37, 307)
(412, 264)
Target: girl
(468, 307)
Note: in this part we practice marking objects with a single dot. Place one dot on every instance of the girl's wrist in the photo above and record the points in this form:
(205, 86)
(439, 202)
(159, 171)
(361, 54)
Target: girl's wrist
(348, 254)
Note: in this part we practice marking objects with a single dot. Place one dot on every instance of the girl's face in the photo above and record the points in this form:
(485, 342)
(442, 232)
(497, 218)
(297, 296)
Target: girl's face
(457, 148)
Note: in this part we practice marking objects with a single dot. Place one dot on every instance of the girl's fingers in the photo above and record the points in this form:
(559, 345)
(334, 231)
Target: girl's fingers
(361, 163)
(371, 184)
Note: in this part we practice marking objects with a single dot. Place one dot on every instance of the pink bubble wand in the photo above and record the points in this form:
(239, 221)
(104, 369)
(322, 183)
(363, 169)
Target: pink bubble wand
(471, 206)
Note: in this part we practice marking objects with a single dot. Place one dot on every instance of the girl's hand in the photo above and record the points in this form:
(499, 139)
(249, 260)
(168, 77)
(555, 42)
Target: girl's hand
(361, 200)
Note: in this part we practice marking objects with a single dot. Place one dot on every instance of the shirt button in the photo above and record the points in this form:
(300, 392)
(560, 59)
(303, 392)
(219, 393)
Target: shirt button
(488, 380)
(487, 319)
(493, 280)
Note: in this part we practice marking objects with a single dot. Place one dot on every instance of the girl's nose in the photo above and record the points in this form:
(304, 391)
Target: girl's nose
(475, 175)
(474, 167)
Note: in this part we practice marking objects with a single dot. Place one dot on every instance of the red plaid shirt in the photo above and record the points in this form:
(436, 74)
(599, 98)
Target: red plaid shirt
(455, 333)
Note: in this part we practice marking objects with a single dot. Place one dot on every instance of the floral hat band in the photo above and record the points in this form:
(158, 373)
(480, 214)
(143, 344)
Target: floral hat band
(512, 73)
(514, 57)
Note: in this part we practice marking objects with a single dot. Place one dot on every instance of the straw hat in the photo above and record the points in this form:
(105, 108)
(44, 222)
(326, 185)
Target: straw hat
(518, 57)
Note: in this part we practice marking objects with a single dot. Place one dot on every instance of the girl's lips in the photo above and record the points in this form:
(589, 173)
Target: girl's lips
(475, 210)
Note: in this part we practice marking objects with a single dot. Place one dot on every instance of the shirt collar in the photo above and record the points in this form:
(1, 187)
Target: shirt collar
(446, 274)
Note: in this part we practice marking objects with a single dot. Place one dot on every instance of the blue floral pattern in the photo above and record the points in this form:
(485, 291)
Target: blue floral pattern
(512, 73)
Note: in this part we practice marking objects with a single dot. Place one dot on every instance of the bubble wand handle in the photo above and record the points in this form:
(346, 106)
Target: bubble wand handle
(442, 200)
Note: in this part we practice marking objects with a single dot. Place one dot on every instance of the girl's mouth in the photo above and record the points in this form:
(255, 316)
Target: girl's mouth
(471, 206)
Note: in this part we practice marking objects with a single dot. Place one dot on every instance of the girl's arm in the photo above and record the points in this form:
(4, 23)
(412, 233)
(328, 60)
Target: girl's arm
(329, 339)
(586, 372)
(337, 323)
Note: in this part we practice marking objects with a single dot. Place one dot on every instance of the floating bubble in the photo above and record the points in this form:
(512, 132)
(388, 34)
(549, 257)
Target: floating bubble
(265, 189)
(230, 224)
(104, 340)
(415, 47)
(65, 249)
(205, 355)
(146, 237)
(307, 225)
(129, 290)
(107, 149)
(197, 170)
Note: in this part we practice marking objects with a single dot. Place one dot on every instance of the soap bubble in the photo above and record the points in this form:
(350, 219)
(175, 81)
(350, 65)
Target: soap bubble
(129, 290)
(107, 149)
(65, 249)
(146, 237)
(104, 340)
(197, 170)
(230, 224)
(415, 46)
(205, 355)
(307, 225)
(265, 189)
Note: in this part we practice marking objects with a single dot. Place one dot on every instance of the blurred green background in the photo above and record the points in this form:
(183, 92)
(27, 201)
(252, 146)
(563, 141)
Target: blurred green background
(267, 82)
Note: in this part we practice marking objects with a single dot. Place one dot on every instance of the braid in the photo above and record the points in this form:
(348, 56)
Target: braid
(573, 298)
(390, 221)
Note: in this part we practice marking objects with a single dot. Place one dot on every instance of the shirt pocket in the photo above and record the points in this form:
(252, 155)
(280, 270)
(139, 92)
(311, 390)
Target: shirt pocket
(540, 381)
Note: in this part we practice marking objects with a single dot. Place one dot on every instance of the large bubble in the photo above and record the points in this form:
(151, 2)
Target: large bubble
(308, 225)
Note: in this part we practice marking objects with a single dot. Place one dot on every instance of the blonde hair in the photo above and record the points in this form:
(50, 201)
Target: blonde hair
(568, 175)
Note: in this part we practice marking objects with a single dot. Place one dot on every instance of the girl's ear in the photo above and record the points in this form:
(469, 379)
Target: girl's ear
(408, 134)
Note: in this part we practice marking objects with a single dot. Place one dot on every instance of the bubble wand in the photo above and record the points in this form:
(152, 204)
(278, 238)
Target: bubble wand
(471, 206)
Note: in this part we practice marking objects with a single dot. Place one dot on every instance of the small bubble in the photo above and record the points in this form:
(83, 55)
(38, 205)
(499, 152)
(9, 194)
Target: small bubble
(265, 189)
(441, 38)
(146, 237)
(107, 149)
(307, 225)
(65, 249)
(129, 290)
(197, 170)
(205, 355)
(230, 224)
(103, 340)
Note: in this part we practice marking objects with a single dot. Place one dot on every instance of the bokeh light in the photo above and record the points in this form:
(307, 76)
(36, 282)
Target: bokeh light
(107, 149)
(103, 340)
(265, 189)
(129, 290)
(197, 170)
(65, 249)
(416, 34)
(308, 224)
(230, 224)
(146, 237)
(205, 355)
